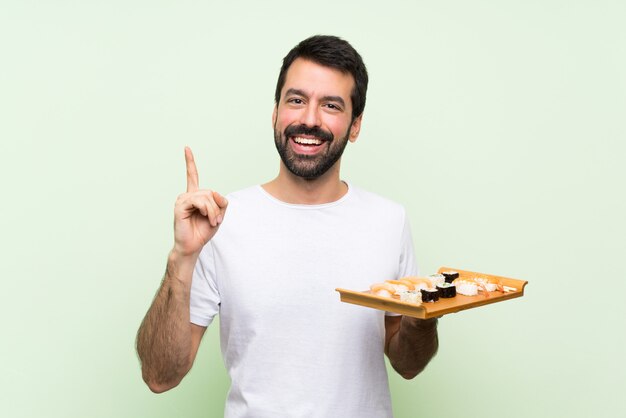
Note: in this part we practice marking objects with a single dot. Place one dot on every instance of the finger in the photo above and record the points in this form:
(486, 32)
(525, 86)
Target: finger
(213, 211)
(220, 200)
(189, 203)
(212, 214)
(203, 202)
(216, 212)
(192, 171)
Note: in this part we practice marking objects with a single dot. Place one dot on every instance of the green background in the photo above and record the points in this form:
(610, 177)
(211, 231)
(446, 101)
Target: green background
(498, 124)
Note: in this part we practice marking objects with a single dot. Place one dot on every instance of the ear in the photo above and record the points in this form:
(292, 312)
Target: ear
(274, 114)
(355, 128)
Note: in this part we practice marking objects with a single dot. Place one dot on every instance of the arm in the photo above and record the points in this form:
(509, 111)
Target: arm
(167, 342)
(410, 343)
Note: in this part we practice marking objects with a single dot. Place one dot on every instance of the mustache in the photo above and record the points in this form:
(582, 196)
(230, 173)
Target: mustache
(294, 130)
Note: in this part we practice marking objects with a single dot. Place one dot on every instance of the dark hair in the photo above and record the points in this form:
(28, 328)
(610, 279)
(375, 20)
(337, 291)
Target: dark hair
(334, 52)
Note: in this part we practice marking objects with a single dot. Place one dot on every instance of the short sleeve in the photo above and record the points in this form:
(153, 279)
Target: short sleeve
(407, 266)
(204, 301)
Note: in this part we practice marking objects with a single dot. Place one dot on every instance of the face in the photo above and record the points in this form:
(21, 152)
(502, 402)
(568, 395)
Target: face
(313, 120)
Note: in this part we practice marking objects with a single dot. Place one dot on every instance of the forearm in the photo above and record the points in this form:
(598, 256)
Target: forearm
(413, 346)
(164, 337)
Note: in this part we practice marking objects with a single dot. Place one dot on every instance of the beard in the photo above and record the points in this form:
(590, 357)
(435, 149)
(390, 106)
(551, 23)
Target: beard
(309, 167)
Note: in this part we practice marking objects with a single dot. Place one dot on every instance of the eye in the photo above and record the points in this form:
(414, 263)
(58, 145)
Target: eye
(333, 107)
(295, 100)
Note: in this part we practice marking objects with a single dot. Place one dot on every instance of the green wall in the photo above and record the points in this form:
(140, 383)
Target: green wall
(498, 124)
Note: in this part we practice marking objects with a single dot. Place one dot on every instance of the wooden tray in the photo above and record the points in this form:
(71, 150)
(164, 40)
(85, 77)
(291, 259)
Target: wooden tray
(442, 306)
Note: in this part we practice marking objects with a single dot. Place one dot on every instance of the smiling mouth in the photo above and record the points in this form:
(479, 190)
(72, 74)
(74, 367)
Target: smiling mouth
(307, 141)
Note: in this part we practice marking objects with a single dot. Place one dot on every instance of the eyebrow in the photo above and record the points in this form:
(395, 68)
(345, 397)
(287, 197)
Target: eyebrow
(299, 92)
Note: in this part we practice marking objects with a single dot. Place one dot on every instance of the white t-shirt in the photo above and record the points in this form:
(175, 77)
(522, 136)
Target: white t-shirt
(290, 346)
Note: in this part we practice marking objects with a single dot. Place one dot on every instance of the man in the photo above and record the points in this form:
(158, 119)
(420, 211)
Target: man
(270, 266)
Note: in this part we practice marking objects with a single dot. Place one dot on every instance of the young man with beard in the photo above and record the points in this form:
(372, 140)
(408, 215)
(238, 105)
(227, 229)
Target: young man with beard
(268, 259)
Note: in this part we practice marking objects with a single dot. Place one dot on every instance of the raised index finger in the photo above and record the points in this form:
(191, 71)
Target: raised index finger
(192, 172)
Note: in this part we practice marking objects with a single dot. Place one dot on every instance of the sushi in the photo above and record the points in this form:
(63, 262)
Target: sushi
(400, 285)
(383, 289)
(411, 296)
(446, 290)
(437, 279)
(450, 275)
(466, 287)
(430, 295)
(489, 285)
(420, 282)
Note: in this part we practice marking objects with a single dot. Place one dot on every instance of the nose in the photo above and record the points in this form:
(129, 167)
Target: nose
(311, 116)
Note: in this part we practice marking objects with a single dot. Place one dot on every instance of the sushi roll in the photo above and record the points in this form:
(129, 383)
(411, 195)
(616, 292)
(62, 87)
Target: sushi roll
(430, 295)
(450, 275)
(437, 279)
(446, 290)
(411, 296)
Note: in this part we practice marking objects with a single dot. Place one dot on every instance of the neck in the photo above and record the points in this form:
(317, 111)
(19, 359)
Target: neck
(290, 188)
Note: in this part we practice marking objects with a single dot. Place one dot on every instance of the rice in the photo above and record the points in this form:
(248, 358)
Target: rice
(411, 296)
(466, 288)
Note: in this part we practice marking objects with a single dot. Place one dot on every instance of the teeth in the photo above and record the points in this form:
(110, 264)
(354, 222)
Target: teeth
(307, 141)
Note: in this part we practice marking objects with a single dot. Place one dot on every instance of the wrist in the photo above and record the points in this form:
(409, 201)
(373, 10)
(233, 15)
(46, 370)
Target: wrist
(178, 255)
(182, 252)
(420, 324)
(180, 266)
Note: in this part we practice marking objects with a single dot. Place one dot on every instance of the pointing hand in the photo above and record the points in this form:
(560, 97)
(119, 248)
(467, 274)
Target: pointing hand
(197, 213)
